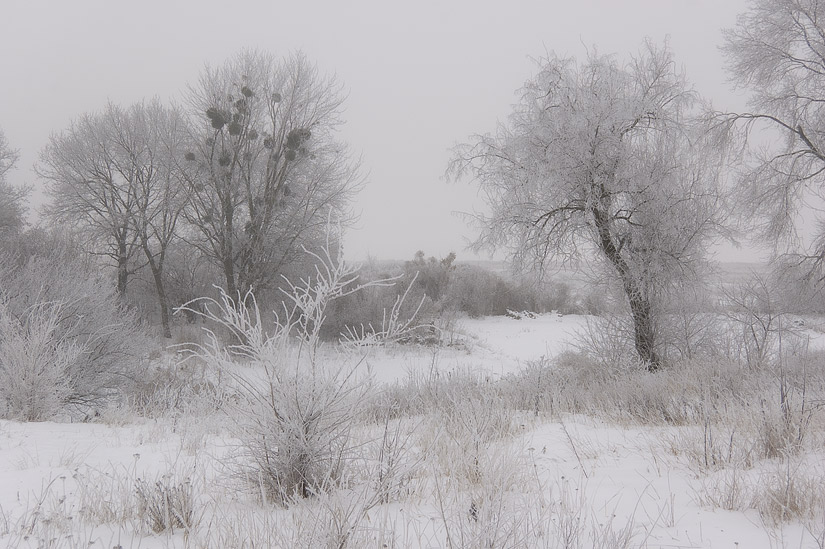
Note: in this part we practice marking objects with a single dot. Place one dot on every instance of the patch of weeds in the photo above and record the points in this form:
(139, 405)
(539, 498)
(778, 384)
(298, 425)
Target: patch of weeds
(166, 504)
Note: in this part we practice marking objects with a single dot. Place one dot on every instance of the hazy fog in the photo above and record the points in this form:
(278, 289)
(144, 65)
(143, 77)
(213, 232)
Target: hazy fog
(420, 77)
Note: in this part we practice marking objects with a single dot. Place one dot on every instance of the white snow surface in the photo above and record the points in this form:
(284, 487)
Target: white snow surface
(491, 345)
(606, 474)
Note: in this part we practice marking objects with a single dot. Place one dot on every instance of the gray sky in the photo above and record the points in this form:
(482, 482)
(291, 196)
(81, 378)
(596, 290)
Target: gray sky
(421, 76)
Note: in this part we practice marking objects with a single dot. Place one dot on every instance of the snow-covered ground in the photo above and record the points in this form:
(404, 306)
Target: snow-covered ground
(578, 482)
(490, 345)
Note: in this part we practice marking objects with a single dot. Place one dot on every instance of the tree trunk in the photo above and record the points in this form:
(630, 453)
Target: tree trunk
(157, 274)
(229, 276)
(247, 280)
(122, 268)
(229, 270)
(163, 302)
(643, 330)
(228, 250)
(644, 335)
(156, 266)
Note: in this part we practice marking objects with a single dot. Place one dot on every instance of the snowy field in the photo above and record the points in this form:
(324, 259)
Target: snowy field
(492, 345)
(512, 479)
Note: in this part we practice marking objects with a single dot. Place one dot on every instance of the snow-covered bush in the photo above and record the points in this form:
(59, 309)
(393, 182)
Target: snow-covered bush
(295, 419)
(65, 336)
(34, 363)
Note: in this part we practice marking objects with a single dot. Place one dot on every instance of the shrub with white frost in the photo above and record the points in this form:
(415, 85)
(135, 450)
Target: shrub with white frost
(295, 420)
(66, 344)
(34, 360)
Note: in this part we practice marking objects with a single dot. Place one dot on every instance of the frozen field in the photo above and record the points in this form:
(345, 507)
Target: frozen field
(569, 480)
(494, 345)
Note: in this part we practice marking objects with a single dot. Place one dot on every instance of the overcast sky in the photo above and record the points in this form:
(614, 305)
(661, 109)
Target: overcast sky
(420, 76)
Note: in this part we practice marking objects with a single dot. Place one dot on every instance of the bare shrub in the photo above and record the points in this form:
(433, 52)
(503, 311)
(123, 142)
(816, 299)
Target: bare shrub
(815, 526)
(467, 421)
(690, 327)
(66, 321)
(757, 314)
(297, 435)
(608, 342)
(479, 293)
(394, 327)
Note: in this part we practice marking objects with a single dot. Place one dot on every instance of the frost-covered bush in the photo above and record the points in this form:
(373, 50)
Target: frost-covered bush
(174, 390)
(66, 343)
(297, 434)
(34, 363)
(298, 406)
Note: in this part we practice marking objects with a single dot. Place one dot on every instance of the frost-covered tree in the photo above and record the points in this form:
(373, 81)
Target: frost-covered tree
(265, 165)
(603, 158)
(89, 189)
(777, 51)
(114, 175)
(12, 199)
(149, 139)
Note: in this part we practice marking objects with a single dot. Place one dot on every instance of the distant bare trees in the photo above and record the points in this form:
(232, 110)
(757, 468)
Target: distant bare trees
(113, 176)
(247, 177)
(607, 158)
(156, 134)
(264, 167)
(92, 186)
(12, 208)
(777, 51)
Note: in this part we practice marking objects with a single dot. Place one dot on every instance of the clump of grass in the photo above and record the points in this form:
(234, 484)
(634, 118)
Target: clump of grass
(729, 490)
(786, 492)
(166, 504)
(172, 390)
(789, 494)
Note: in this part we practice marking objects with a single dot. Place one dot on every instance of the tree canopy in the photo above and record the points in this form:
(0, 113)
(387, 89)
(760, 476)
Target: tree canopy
(265, 166)
(777, 52)
(606, 158)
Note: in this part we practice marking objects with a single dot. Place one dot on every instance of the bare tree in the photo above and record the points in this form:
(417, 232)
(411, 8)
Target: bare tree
(91, 190)
(147, 139)
(777, 51)
(265, 166)
(115, 176)
(605, 158)
(12, 208)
